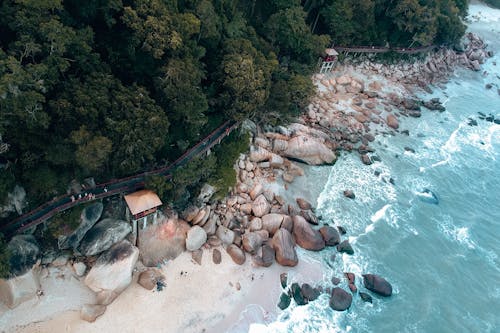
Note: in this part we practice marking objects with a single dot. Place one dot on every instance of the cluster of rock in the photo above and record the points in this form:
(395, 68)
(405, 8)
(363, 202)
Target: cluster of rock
(340, 300)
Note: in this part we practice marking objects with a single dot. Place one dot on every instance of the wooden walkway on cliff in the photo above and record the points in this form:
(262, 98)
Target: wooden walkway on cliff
(383, 49)
(113, 187)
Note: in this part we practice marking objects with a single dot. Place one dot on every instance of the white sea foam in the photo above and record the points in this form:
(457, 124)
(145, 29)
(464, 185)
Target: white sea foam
(459, 234)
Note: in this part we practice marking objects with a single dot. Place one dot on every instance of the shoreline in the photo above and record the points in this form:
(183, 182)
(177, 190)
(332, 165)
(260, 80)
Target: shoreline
(130, 295)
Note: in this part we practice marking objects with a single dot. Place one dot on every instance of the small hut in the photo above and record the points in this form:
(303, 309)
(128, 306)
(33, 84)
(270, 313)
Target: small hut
(140, 205)
(328, 60)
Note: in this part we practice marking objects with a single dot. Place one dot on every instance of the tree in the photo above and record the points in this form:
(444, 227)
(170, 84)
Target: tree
(4, 259)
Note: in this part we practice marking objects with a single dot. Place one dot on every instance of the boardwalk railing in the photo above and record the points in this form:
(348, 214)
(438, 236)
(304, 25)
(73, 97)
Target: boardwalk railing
(113, 187)
(383, 49)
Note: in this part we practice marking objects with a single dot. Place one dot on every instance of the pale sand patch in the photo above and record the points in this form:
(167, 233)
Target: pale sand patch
(203, 300)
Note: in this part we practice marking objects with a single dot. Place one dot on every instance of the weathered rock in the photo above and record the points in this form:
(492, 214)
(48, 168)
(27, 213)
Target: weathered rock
(89, 216)
(196, 237)
(340, 300)
(149, 278)
(20, 288)
(225, 235)
(349, 194)
(24, 253)
(268, 255)
(103, 235)
(211, 226)
(216, 256)
(287, 223)
(260, 206)
(309, 292)
(350, 277)
(61, 260)
(330, 235)
(309, 216)
(252, 241)
(284, 302)
(297, 294)
(206, 192)
(335, 280)
(345, 247)
(353, 288)
(236, 254)
(202, 216)
(282, 242)
(392, 121)
(90, 312)
(309, 150)
(377, 284)
(341, 230)
(256, 191)
(112, 272)
(365, 297)
(246, 208)
(272, 222)
(303, 203)
(305, 236)
(255, 224)
(259, 154)
(190, 213)
(366, 159)
(79, 268)
(197, 256)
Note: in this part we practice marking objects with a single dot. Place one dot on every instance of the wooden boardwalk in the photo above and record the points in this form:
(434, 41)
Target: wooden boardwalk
(382, 49)
(113, 187)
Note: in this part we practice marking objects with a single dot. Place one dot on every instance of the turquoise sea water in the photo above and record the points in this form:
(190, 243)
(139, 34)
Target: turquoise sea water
(442, 260)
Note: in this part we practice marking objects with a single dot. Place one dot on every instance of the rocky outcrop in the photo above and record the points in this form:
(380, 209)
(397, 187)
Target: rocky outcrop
(340, 299)
(196, 237)
(103, 235)
(282, 242)
(89, 216)
(24, 253)
(112, 272)
(309, 150)
(377, 284)
(19, 289)
(90, 312)
(305, 236)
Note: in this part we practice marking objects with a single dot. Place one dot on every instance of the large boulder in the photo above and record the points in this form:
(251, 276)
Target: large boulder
(196, 237)
(330, 235)
(226, 235)
(392, 121)
(20, 288)
(90, 312)
(266, 257)
(305, 236)
(252, 241)
(112, 272)
(259, 154)
(282, 242)
(309, 150)
(309, 292)
(236, 254)
(24, 253)
(377, 284)
(272, 222)
(89, 216)
(256, 191)
(303, 203)
(340, 300)
(260, 206)
(103, 235)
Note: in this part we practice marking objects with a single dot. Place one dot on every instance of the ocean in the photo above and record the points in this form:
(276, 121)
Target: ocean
(441, 259)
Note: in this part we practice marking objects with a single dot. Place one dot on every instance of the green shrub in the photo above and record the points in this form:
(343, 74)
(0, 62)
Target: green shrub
(4, 258)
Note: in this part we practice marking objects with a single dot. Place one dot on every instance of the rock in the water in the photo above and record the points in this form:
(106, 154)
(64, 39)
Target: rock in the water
(335, 280)
(112, 272)
(283, 280)
(90, 312)
(24, 253)
(353, 288)
(349, 194)
(89, 216)
(309, 293)
(340, 300)
(366, 159)
(365, 297)
(350, 277)
(297, 294)
(303, 204)
(428, 196)
(305, 236)
(196, 237)
(282, 242)
(284, 302)
(236, 254)
(345, 247)
(392, 121)
(216, 256)
(19, 289)
(309, 216)
(226, 235)
(330, 235)
(79, 268)
(377, 284)
(341, 230)
(103, 235)
(260, 206)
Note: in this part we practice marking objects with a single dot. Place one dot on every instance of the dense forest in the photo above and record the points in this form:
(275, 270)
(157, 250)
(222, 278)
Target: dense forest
(107, 88)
